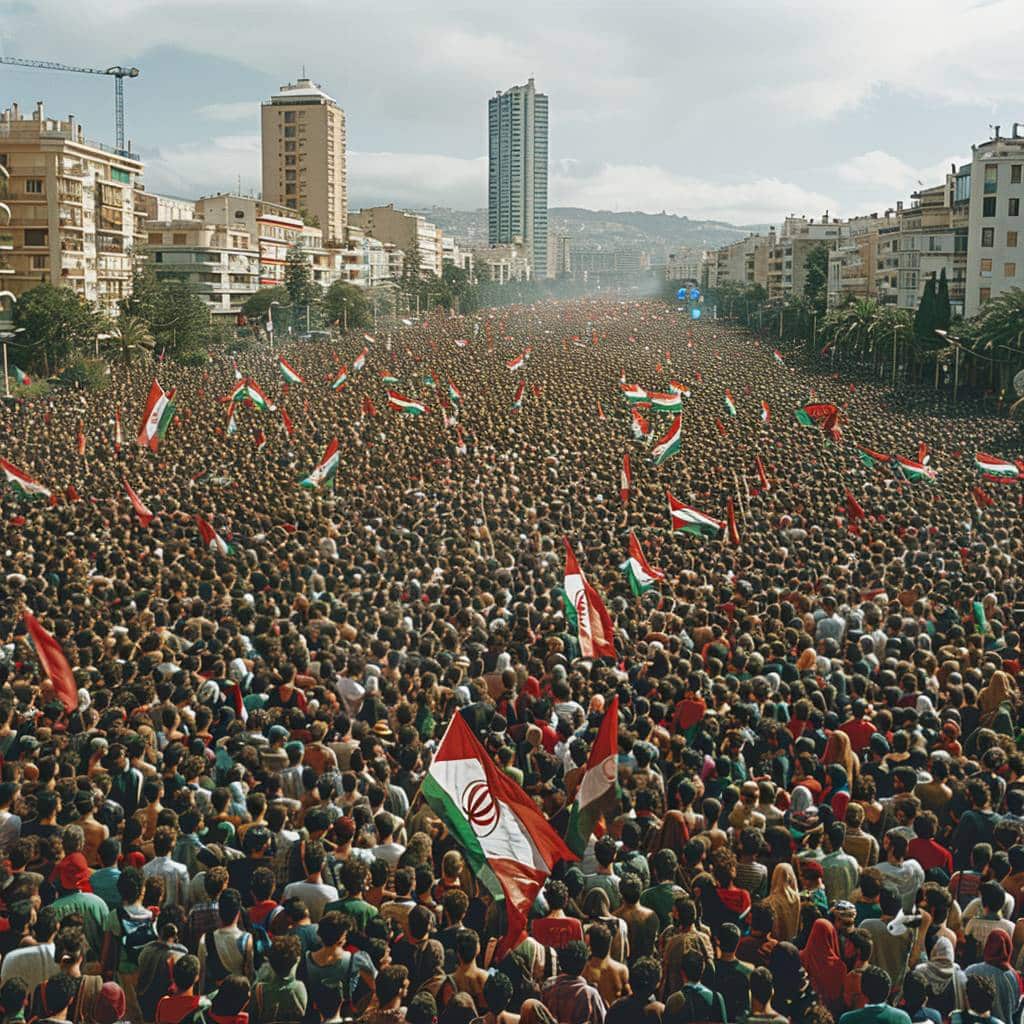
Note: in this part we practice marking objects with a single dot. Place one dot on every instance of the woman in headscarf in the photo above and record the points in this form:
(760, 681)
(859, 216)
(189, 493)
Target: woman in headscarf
(839, 750)
(784, 897)
(802, 816)
(597, 909)
(996, 966)
(837, 790)
(1000, 691)
(674, 834)
(942, 978)
(824, 965)
(793, 993)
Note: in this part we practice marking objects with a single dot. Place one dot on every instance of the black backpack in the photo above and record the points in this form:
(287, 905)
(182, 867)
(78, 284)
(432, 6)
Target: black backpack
(136, 932)
(159, 986)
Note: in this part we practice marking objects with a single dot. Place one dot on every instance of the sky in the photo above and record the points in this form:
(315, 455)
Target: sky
(736, 111)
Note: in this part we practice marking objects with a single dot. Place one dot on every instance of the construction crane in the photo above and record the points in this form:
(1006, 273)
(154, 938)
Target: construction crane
(118, 73)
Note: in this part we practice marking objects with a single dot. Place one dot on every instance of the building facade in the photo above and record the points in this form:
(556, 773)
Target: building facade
(517, 188)
(220, 264)
(6, 247)
(72, 220)
(302, 133)
(863, 264)
(995, 257)
(408, 231)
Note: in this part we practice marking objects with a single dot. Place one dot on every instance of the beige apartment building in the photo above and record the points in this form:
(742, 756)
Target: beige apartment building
(864, 264)
(6, 247)
(72, 218)
(219, 264)
(406, 230)
(303, 147)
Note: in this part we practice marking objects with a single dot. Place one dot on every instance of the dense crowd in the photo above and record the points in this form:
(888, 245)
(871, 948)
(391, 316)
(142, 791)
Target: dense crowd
(822, 802)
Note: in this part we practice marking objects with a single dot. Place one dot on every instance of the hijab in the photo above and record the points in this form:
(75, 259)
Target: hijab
(940, 969)
(787, 971)
(998, 950)
(674, 834)
(999, 690)
(838, 750)
(801, 801)
(823, 963)
(784, 898)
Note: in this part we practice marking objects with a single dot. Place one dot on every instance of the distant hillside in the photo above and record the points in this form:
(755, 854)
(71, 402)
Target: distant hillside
(605, 229)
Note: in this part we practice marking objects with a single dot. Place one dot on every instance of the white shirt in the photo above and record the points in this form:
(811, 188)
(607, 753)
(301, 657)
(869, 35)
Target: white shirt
(176, 882)
(316, 896)
(10, 831)
(390, 853)
(33, 964)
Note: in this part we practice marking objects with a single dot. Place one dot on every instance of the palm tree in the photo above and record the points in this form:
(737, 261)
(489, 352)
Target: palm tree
(130, 337)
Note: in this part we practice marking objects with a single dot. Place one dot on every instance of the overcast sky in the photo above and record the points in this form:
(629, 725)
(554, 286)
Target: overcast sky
(737, 111)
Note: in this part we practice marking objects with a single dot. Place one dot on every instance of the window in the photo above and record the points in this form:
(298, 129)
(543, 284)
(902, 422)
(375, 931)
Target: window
(289, 188)
(155, 238)
(984, 294)
(1009, 270)
(289, 175)
(34, 185)
(991, 177)
(289, 160)
(986, 267)
(158, 257)
(1015, 174)
(988, 206)
(40, 262)
(289, 133)
(289, 116)
(35, 236)
(988, 237)
(289, 147)
(239, 214)
(179, 238)
(1014, 210)
(1011, 239)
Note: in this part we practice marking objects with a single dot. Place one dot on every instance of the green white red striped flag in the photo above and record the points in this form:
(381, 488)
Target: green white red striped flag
(22, 483)
(340, 379)
(681, 389)
(509, 845)
(665, 402)
(633, 393)
(597, 798)
(406, 405)
(156, 417)
(288, 372)
(249, 389)
(454, 393)
(730, 405)
(691, 521)
(642, 577)
(777, 356)
(766, 412)
(1001, 469)
(21, 377)
(625, 480)
(913, 470)
(325, 470)
(670, 443)
(211, 538)
(872, 459)
(516, 364)
(517, 400)
(593, 622)
(360, 361)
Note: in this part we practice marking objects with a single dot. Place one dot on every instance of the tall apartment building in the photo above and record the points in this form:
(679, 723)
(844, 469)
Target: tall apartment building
(744, 262)
(518, 171)
(303, 145)
(219, 263)
(995, 260)
(407, 231)
(863, 265)
(787, 259)
(6, 246)
(72, 215)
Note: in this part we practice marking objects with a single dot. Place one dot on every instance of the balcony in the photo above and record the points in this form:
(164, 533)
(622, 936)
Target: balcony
(6, 241)
(110, 245)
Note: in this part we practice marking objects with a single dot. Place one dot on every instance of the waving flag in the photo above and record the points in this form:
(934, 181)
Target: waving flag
(339, 381)
(156, 417)
(854, 510)
(766, 413)
(288, 372)
(761, 474)
(913, 470)
(597, 799)
(454, 393)
(369, 339)
(816, 412)
(625, 480)
(872, 459)
(640, 575)
(600, 410)
(261, 440)
(406, 405)
(360, 361)
(691, 521)
(670, 443)
(22, 483)
(21, 377)
(666, 402)
(81, 438)
(1002, 470)
(461, 342)
(509, 845)
(730, 405)
(211, 538)
(145, 517)
(232, 426)
(730, 519)
(118, 440)
(593, 622)
(633, 393)
(249, 389)
(517, 363)
(641, 428)
(325, 471)
(286, 420)
(922, 454)
(981, 497)
(387, 378)
(777, 356)
(679, 388)
(53, 662)
(517, 401)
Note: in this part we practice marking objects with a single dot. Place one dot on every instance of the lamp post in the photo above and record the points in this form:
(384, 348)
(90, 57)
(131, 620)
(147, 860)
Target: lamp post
(5, 337)
(955, 342)
(270, 321)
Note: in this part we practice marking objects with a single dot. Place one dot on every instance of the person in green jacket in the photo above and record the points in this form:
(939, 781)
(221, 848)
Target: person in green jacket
(278, 997)
(876, 985)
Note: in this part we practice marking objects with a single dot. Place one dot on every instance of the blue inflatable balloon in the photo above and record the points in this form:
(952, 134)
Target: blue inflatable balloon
(695, 313)
(681, 294)
(694, 294)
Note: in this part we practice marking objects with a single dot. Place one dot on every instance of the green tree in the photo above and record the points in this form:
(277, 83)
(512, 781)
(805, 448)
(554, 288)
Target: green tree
(943, 313)
(178, 320)
(298, 279)
(258, 303)
(345, 303)
(816, 280)
(926, 320)
(58, 323)
(130, 338)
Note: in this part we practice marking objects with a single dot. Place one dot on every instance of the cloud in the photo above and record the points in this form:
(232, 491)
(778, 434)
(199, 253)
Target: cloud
(200, 168)
(417, 179)
(244, 111)
(880, 170)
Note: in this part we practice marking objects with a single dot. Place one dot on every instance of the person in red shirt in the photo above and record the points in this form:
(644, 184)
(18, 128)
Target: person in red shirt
(858, 728)
(555, 929)
(924, 849)
(174, 1008)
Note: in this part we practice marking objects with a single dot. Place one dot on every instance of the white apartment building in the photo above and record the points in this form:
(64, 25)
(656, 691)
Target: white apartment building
(995, 225)
(405, 229)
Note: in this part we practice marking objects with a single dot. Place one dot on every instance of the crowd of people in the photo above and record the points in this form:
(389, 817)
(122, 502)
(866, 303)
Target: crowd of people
(821, 810)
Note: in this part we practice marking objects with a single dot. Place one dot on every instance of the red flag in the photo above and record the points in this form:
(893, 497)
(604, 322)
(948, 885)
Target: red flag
(721, 426)
(145, 516)
(625, 480)
(981, 497)
(81, 438)
(600, 411)
(71, 494)
(368, 407)
(287, 421)
(594, 624)
(854, 511)
(922, 453)
(762, 475)
(730, 519)
(117, 432)
(698, 377)
(53, 663)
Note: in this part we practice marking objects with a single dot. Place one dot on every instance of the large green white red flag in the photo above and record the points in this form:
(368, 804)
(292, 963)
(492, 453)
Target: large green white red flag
(325, 470)
(407, 405)
(642, 577)
(689, 519)
(508, 843)
(670, 442)
(288, 372)
(993, 468)
(592, 619)
(156, 417)
(598, 796)
(23, 483)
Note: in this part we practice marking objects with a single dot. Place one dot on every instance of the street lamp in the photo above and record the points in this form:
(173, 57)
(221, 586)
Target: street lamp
(5, 337)
(344, 313)
(270, 320)
(955, 342)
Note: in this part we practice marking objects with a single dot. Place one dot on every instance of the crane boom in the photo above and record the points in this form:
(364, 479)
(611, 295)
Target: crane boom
(116, 71)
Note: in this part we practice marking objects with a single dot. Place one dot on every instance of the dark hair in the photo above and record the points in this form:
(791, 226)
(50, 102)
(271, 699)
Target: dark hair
(875, 984)
(498, 992)
(914, 992)
(284, 953)
(600, 940)
(644, 977)
(728, 937)
(761, 984)
(981, 993)
(231, 996)
(993, 896)
(228, 907)
(467, 945)
(889, 900)
(389, 983)
(572, 958)
(130, 884)
(692, 964)
(186, 971)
